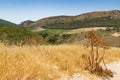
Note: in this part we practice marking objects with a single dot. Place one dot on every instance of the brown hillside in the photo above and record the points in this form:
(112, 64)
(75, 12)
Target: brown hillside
(64, 19)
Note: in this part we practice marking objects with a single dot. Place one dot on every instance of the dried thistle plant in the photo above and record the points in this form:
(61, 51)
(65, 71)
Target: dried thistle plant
(95, 57)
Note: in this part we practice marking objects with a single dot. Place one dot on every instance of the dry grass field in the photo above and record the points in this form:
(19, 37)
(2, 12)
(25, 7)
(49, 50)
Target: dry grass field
(76, 31)
(45, 62)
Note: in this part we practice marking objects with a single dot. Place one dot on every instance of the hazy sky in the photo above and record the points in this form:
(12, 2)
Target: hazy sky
(20, 10)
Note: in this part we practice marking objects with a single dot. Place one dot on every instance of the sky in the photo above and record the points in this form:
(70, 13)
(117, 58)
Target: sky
(18, 11)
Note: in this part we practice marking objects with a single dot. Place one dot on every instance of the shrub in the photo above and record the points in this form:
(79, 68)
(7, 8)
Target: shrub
(95, 58)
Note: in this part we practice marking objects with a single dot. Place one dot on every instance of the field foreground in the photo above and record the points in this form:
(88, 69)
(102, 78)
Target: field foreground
(47, 62)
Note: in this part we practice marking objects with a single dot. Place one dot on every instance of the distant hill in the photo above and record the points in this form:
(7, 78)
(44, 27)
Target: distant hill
(27, 23)
(4, 23)
(90, 22)
(91, 19)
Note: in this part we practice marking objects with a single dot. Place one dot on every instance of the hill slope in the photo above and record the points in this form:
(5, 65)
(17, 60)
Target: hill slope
(76, 21)
(4, 23)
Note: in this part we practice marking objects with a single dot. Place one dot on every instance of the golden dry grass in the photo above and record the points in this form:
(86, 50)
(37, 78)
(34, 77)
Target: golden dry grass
(48, 62)
(76, 31)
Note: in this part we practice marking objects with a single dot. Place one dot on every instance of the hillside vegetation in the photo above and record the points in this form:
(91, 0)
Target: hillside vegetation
(94, 22)
(52, 36)
(7, 23)
(23, 36)
(14, 35)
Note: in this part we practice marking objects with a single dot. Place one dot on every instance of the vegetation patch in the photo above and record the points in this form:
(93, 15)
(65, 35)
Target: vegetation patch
(51, 36)
(7, 24)
(14, 35)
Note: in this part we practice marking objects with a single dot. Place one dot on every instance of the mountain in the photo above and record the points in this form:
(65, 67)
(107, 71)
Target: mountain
(4, 23)
(91, 19)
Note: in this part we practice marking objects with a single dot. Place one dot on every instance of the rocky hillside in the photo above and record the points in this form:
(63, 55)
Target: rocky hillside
(113, 14)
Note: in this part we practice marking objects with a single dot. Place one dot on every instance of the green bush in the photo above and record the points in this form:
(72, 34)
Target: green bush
(51, 36)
